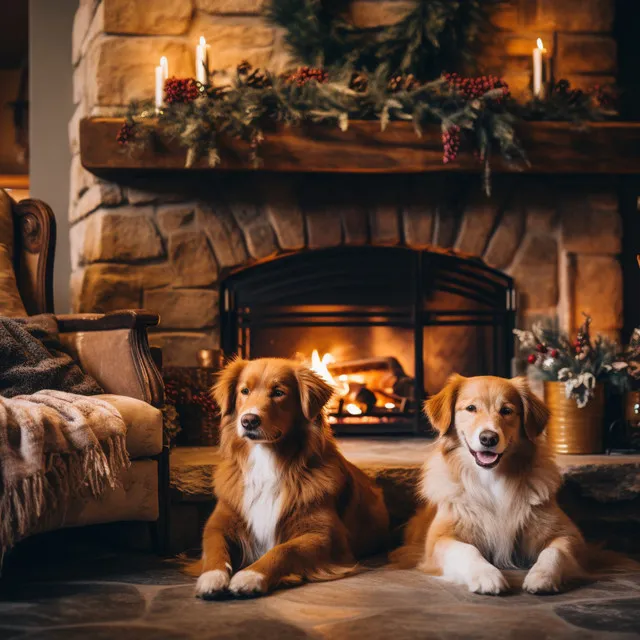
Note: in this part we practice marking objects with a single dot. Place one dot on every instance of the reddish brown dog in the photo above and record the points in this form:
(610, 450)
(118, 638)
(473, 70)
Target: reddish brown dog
(290, 507)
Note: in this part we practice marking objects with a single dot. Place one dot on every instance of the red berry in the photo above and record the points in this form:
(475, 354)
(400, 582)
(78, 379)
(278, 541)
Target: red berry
(578, 349)
(532, 358)
(553, 353)
(541, 348)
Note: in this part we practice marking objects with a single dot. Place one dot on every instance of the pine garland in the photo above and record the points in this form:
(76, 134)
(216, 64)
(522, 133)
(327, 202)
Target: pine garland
(476, 112)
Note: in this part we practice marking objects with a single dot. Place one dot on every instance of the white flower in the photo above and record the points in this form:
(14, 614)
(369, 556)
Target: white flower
(548, 363)
(580, 388)
(527, 339)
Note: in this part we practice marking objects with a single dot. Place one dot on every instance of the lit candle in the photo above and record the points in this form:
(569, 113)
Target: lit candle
(162, 73)
(538, 73)
(202, 61)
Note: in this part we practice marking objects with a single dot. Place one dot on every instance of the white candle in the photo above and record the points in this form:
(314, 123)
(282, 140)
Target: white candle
(202, 62)
(538, 86)
(162, 73)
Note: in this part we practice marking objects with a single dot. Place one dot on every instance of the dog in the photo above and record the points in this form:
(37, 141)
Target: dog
(290, 508)
(489, 487)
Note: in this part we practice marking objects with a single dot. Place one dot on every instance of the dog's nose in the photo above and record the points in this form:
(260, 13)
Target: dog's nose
(250, 421)
(489, 438)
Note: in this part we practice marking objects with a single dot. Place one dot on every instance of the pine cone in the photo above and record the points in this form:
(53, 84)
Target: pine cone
(359, 82)
(244, 67)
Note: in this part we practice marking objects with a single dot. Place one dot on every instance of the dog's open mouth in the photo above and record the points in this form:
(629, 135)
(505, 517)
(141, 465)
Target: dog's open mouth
(486, 459)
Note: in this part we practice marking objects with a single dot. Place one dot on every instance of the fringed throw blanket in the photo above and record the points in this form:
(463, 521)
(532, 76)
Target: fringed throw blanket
(54, 443)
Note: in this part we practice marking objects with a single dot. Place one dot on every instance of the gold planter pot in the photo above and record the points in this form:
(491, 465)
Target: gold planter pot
(570, 429)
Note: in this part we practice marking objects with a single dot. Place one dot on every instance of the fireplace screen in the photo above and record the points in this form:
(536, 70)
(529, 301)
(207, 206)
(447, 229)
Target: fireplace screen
(385, 325)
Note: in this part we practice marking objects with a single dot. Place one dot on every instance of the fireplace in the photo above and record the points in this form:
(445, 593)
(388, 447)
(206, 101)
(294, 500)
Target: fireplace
(377, 314)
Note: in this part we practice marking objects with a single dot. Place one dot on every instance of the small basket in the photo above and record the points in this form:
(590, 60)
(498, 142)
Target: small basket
(574, 430)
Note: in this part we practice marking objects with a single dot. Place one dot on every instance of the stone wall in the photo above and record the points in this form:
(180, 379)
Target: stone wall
(165, 247)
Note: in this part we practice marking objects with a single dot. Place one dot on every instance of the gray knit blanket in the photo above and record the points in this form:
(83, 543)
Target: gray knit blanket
(56, 441)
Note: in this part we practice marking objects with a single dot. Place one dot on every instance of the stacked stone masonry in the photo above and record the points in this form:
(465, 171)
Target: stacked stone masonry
(167, 248)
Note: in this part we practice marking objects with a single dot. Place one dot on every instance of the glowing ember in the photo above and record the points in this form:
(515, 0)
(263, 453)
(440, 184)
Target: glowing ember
(389, 405)
(353, 409)
(320, 366)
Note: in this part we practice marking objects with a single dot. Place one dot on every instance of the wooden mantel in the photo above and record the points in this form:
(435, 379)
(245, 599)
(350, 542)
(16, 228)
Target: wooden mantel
(552, 147)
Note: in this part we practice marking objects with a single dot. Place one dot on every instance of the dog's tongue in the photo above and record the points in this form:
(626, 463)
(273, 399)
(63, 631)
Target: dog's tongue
(486, 457)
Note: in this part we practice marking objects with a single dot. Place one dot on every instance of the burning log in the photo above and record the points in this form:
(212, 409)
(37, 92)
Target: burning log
(379, 375)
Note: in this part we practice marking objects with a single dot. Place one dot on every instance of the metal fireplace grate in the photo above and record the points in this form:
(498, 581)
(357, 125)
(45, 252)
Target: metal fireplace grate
(358, 287)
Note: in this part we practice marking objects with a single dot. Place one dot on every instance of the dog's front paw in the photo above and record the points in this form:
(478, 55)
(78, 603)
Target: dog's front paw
(541, 581)
(248, 584)
(212, 584)
(487, 580)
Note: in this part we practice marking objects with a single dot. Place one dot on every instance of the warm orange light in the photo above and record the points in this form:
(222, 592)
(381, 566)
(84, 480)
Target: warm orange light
(320, 366)
(540, 44)
(353, 409)
(389, 405)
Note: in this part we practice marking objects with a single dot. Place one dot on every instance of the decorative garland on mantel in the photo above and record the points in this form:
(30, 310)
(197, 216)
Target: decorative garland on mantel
(475, 113)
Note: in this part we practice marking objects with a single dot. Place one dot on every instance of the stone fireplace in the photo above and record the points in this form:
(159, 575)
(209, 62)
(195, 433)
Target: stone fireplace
(166, 243)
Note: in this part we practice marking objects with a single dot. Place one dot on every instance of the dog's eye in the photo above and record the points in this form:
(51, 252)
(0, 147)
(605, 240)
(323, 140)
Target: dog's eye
(506, 411)
(471, 408)
(244, 391)
(278, 393)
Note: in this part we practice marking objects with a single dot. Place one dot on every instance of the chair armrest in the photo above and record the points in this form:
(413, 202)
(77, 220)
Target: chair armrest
(114, 349)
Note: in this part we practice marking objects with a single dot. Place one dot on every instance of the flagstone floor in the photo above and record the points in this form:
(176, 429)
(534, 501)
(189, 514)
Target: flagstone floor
(138, 596)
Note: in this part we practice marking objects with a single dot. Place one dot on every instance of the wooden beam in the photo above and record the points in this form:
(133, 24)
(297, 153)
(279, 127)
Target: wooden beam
(552, 147)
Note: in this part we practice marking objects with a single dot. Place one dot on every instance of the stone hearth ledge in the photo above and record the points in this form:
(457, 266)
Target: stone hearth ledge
(395, 465)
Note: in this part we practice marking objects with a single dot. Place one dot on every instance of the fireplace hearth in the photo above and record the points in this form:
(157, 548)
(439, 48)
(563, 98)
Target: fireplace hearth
(385, 314)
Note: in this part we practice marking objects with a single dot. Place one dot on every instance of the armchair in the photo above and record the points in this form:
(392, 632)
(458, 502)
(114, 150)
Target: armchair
(114, 349)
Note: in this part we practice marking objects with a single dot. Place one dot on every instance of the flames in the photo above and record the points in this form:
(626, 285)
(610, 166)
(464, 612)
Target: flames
(321, 367)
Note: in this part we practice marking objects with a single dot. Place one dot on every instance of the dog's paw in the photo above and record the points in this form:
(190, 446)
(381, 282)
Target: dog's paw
(212, 584)
(248, 584)
(540, 581)
(487, 580)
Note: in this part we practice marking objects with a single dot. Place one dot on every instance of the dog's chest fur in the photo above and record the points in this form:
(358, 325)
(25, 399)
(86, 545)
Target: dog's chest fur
(262, 500)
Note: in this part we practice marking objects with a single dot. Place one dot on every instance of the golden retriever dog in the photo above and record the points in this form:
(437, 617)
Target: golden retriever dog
(289, 506)
(489, 487)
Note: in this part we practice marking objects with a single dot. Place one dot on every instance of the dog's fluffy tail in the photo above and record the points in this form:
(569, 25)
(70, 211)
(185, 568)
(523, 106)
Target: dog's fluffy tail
(600, 563)
(407, 556)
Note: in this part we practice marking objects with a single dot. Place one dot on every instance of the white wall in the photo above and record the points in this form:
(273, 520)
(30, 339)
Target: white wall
(50, 108)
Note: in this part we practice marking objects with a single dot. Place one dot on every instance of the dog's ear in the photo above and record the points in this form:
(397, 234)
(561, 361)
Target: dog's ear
(440, 408)
(314, 392)
(224, 390)
(535, 413)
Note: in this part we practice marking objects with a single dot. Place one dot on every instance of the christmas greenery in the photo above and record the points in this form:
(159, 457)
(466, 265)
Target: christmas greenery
(475, 114)
(430, 38)
(580, 363)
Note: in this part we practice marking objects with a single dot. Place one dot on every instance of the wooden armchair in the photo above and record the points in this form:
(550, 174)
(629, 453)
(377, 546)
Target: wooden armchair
(114, 349)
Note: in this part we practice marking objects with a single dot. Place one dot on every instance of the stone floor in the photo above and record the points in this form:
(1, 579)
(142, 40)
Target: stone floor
(137, 596)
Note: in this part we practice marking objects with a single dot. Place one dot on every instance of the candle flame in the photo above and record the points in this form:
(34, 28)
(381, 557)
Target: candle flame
(203, 42)
(540, 44)
(163, 61)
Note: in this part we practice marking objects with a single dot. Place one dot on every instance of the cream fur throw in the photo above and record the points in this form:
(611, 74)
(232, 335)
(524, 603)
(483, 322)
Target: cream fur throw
(54, 445)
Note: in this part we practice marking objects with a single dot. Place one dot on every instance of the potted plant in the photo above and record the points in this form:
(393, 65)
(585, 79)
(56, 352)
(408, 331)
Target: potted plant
(575, 373)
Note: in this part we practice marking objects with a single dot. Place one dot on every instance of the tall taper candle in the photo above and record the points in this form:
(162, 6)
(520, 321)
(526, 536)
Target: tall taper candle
(202, 62)
(162, 73)
(538, 72)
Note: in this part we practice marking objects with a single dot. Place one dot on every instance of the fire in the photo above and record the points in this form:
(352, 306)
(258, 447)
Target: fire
(320, 366)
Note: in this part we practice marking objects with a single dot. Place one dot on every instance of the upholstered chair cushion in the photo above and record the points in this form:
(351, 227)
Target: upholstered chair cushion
(10, 302)
(144, 425)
